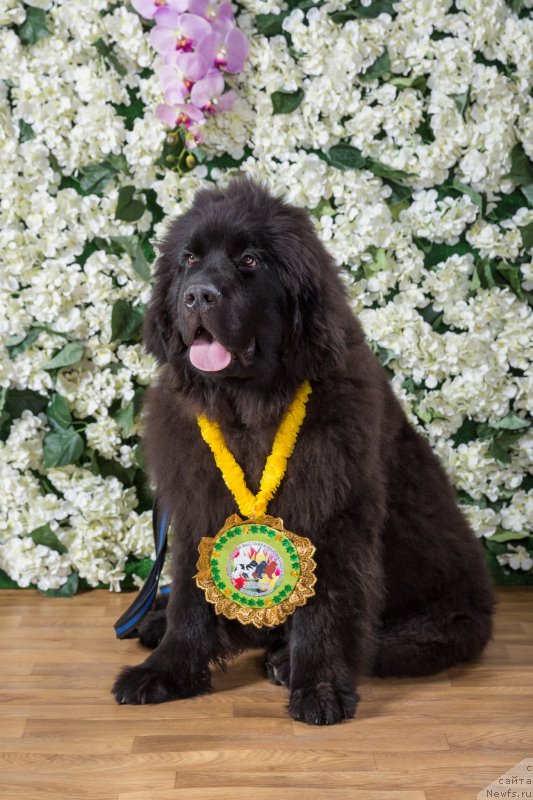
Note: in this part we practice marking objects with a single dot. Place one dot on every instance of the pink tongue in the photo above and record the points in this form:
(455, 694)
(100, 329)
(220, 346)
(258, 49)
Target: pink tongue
(208, 354)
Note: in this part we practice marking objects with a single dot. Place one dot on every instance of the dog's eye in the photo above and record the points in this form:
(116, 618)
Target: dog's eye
(191, 259)
(248, 261)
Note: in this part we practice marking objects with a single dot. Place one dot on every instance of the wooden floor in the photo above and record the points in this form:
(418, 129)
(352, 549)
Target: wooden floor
(63, 736)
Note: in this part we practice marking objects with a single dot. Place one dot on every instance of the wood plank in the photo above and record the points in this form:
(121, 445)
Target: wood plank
(64, 737)
(488, 737)
(57, 791)
(219, 791)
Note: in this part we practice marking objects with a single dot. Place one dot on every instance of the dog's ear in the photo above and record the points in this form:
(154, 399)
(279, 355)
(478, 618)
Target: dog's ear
(156, 327)
(158, 324)
(317, 304)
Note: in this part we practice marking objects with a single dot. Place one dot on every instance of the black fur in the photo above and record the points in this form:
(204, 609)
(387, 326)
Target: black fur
(402, 588)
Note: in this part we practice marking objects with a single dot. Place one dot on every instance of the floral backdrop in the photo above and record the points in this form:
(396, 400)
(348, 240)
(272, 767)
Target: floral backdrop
(406, 128)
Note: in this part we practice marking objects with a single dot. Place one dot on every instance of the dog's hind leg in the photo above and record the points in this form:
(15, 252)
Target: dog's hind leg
(152, 628)
(427, 643)
(278, 665)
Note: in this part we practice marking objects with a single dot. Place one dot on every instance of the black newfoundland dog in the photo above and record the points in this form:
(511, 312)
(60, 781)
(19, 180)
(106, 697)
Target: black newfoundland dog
(247, 305)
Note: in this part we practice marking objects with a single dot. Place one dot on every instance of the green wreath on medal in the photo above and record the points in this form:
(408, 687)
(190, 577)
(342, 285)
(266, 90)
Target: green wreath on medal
(254, 570)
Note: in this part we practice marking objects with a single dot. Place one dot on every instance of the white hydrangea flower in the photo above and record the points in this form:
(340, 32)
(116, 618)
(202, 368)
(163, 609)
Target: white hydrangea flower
(12, 13)
(484, 521)
(439, 220)
(457, 98)
(517, 558)
(518, 514)
(28, 563)
(104, 436)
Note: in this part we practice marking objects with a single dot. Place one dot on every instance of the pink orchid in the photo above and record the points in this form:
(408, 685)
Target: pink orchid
(186, 116)
(207, 94)
(174, 86)
(197, 39)
(226, 46)
(178, 80)
(148, 8)
(174, 31)
(211, 10)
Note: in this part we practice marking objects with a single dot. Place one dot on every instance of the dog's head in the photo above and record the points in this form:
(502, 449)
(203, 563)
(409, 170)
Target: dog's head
(245, 292)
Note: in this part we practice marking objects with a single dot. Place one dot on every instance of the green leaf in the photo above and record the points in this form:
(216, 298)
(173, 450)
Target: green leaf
(139, 457)
(125, 417)
(45, 326)
(495, 547)
(502, 535)
(345, 156)
(106, 51)
(510, 274)
(424, 130)
(34, 26)
(384, 355)
(467, 432)
(133, 247)
(461, 101)
(379, 263)
(68, 589)
(45, 535)
(418, 82)
(475, 283)
(526, 232)
(286, 102)
(15, 347)
(126, 475)
(199, 154)
(384, 171)
(127, 208)
(511, 422)
(270, 24)
(355, 10)
(527, 191)
(507, 206)
(19, 400)
(94, 177)
(423, 415)
(500, 446)
(132, 110)
(8, 583)
(397, 208)
(324, 208)
(399, 193)
(58, 412)
(472, 194)
(521, 167)
(61, 447)
(70, 354)
(126, 320)
(436, 253)
(26, 131)
(380, 67)
(432, 317)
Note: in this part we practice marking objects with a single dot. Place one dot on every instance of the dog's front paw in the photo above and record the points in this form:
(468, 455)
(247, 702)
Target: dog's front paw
(148, 684)
(323, 704)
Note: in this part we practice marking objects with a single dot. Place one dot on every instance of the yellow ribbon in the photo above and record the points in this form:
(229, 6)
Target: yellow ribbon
(276, 464)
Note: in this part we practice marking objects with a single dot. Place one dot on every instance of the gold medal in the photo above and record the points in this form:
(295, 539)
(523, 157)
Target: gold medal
(254, 570)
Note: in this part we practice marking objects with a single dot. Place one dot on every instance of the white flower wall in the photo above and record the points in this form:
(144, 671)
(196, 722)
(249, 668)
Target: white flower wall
(406, 128)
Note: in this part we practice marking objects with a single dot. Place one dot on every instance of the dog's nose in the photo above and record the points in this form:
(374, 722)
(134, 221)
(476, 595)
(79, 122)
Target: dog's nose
(201, 297)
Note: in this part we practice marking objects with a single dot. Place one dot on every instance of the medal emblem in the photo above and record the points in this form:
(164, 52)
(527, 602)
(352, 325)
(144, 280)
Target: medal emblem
(255, 571)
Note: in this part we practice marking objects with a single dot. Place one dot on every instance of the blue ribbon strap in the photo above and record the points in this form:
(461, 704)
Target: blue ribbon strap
(127, 626)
